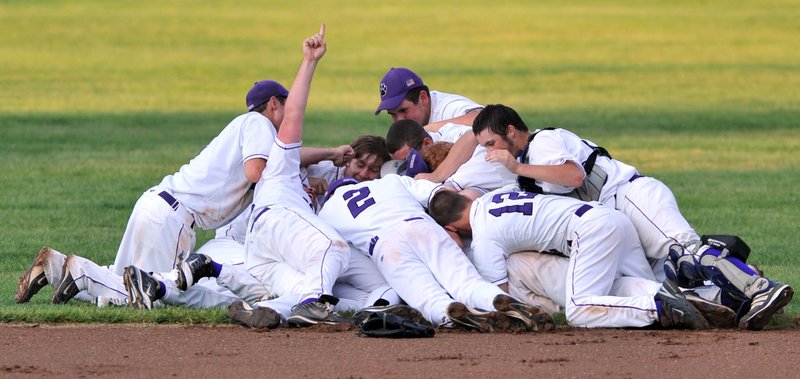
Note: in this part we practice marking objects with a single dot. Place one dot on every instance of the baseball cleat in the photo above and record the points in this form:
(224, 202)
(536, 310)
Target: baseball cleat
(765, 304)
(34, 278)
(67, 289)
(717, 315)
(675, 310)
(256, 318)
(313, 313)
(465, 317)
(535, 319)
(191, 268)
(401, 310)
(142, 288)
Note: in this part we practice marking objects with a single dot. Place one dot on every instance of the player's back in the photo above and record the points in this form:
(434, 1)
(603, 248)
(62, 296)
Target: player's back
(361, 211)
(524, 221)
(213, 185)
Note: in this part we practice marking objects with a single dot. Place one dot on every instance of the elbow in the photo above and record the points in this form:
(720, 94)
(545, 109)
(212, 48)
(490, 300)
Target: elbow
(253, 177)
(575, 181)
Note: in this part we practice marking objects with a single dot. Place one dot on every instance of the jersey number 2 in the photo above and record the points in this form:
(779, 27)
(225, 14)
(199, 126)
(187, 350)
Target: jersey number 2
(358, 200)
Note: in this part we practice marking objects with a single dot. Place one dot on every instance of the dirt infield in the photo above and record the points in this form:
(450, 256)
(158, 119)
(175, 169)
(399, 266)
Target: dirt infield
(205, 351)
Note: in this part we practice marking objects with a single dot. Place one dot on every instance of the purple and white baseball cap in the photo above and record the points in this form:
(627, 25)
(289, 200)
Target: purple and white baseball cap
(411, 166)
(415, 164)
(394, 86)
(262, 91)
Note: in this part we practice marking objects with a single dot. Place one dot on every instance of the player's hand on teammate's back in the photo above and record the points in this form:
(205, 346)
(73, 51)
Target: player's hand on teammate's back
(314, 47)
(504, 157)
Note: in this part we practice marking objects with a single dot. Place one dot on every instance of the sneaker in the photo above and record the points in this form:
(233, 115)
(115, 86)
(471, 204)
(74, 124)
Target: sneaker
(535, 319)
(105, 302)
(676, 311)
(67, 289)
(142, 288)
(717, 315)
(191, 268)
(256, 318)
(465, 317)
(312, 313)
(401, 310)
(764, 304)
(34, 278)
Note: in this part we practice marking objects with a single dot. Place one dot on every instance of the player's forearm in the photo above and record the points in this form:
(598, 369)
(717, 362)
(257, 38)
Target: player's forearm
(291, 130)
(313, 155)
(567, 174)
(461, 151)
(466, 119)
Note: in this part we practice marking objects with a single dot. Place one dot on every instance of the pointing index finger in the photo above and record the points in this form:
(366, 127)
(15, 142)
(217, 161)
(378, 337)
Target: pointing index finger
(322, 30)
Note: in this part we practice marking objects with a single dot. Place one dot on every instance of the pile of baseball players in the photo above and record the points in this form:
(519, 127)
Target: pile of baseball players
(461, 217)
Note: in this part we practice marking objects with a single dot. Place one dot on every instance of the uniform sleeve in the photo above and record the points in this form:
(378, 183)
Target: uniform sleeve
(549, 148)
(490, 260)
(451, 132)
(258, 136)
(456, 106)
(422, 190)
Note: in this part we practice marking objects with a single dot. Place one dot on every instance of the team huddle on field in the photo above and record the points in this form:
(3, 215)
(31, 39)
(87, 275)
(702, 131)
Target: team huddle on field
(460, 217)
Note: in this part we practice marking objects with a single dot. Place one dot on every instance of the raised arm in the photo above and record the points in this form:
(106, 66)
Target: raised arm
(314, 48)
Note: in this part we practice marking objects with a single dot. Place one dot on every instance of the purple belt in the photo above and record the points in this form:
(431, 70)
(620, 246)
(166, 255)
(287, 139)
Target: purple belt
(374, 240)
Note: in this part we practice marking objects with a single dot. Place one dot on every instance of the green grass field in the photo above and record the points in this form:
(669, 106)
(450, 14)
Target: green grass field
(99, 101)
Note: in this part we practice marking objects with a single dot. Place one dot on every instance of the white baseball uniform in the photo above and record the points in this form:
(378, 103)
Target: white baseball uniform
(445, 106)
(210, 191)
(227, 247)
(286, 237)
(385, 218)
(476, 172)
(600, 242)
(540, 279)
(648, 202)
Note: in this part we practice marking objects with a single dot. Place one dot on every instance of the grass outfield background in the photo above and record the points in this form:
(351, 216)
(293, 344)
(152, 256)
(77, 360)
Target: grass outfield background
(99, 101)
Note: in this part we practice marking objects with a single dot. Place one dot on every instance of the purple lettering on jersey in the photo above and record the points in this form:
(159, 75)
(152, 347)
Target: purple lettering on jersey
(500, 197)
(524, 208)
(358, 200)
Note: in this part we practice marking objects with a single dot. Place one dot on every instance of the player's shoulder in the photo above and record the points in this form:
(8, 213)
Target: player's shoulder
(443, 97)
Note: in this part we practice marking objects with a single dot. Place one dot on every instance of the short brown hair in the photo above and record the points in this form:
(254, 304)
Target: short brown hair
(447, 206)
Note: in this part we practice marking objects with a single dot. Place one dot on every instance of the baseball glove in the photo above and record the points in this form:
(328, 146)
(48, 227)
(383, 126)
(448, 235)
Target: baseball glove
(383, 324)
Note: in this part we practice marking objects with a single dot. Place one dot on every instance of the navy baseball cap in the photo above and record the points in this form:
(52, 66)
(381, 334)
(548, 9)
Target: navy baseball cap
(394, 87)
(262, 91)
(411, 166)
(415, 164)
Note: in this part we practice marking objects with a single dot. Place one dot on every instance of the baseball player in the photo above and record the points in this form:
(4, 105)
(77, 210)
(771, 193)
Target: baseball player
(74, 276)
(404, 96)
(369, 154)
(405, 137)
(209, 191)
(386, 220)
(600, 242)
(540, 279)
(360, 285)
(558, 161)
(284, 227)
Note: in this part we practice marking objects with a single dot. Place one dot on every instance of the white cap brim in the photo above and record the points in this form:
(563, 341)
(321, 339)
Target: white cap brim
(396, 166)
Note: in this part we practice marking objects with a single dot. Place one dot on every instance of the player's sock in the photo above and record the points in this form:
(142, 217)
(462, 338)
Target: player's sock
(309, 300)
(162, 291)
(216, 268)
